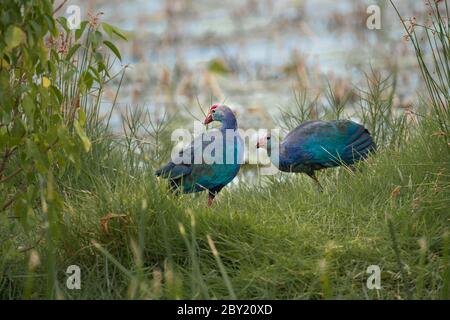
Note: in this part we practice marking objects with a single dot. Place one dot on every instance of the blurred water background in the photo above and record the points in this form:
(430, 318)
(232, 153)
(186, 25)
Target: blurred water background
(253, 54)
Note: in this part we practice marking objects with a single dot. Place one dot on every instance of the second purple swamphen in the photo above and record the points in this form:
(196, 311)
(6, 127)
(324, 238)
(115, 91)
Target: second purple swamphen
(316, 145)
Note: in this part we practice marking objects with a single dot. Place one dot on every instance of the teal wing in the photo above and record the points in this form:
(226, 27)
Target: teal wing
(198, 171)
(328, 143)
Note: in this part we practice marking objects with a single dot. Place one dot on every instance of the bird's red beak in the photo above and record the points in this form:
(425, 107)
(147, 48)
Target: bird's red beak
(208, 118)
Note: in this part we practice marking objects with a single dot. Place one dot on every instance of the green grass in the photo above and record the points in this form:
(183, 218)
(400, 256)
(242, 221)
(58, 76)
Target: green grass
(278, 238)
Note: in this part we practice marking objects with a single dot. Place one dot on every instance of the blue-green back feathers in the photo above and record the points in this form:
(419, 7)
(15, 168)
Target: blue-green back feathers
(322, 144)
(213, 171)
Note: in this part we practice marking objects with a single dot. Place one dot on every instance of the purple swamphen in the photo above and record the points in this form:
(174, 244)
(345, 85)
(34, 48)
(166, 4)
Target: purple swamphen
(317, 144)
(212, 172)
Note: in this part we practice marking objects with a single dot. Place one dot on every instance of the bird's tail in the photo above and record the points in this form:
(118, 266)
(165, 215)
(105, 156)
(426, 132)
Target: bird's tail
(360, 144)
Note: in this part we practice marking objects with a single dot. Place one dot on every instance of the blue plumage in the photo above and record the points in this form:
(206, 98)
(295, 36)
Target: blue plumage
(316, 145)
(208, 175)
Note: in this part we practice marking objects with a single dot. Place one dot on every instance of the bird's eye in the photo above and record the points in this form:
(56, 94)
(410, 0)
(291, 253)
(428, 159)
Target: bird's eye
(214, 111)
(268, 138)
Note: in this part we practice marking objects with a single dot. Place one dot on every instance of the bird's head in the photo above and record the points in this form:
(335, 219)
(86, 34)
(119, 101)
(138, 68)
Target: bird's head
(264, 142)
(219, 113)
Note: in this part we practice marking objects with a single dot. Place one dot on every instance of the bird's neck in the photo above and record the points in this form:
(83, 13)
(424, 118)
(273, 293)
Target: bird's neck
(229, 122)
(278, 157)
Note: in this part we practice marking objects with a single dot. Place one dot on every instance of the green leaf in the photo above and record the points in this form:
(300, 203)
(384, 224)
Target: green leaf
(69, 74)
(18, 129)
(95, 38)
(63, 22)
(29, 107)
(54, 56)
(14, 36)
(51, 25)
(36, 27)
(81, 117)
(83, 137)
(102, 67)
(95, 74)
(86, 81)
(57, 94)
(113, 48)
(110, 30)
(79, 32)
(72, 51)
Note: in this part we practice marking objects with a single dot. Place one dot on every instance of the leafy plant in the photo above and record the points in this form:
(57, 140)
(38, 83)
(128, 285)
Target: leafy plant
(51, 80)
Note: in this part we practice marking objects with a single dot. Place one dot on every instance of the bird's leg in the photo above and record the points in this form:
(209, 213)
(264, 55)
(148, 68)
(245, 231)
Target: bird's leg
(210, 199)
(313, 176)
